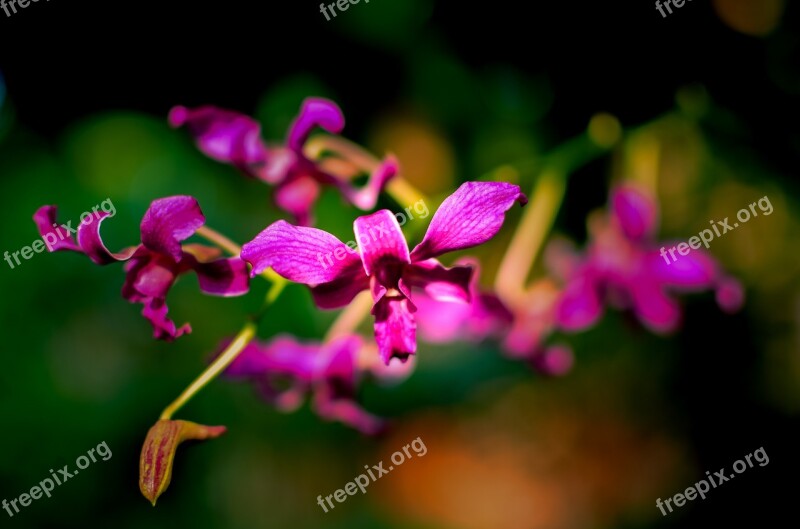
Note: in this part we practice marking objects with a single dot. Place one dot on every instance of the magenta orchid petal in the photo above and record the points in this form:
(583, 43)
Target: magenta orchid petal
(168, 221)
(635, 211)
(223, 277)
(554, 361)
(454, 318)
(441, 322)
(730, 294)
(697, 270)
(155, 311)
(223, 135)
(92, 244)
(314, 112)
(297, 196)
(395, 328)
(580, 306)
(340, 369)
(56, 238)
(347, 412)
(298, 253)
(153, 278)
(341, 291)
(469, 217)
(654, 308)
(251, 362)
(440, 283)
(366, 197)
(381, 241)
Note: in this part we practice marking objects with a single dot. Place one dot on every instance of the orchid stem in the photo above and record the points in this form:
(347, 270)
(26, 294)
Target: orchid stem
(230, 353)
(351, 317)
(245, 336)
(540, 215)
(234, 249)
(219, 239)
(399, 188)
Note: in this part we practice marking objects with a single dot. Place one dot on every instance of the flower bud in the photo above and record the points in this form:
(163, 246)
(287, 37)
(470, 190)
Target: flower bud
(158, 452)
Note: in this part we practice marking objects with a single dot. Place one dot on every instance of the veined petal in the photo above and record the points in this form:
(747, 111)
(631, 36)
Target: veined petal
(469, 217)
(635, 211)
(343, 289)
(381, 241)
(300, 254)
(92, 244)
(439, 282)
(223, 135)
(395, 328)
(314, 112)
(55, 239)
(168, 221)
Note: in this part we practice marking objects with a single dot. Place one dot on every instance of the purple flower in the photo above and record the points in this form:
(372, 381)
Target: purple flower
(623, 267)
(153, 266)
(285, 371)
(469, 217)
(234, 138)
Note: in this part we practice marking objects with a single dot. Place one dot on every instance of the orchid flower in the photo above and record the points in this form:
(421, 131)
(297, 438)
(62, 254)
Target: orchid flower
(234, 138)
(469, 217)
(285, 370)
(153, 266)
(622, 267)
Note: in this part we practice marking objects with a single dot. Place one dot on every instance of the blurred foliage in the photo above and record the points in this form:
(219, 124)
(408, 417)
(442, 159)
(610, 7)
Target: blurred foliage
(506, 448)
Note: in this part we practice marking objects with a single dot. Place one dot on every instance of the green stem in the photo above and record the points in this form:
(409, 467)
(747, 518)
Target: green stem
(540, 215)
(245, 336)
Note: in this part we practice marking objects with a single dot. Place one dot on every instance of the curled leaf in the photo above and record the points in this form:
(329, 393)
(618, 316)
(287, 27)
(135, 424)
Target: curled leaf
(158, 452)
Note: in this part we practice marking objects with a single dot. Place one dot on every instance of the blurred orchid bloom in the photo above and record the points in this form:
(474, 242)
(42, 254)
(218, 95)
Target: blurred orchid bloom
(447, 321)
(534, 320)
(622, 267)
(285, 370)
(469, 217)
(153, 266)
(523, 326)
(234, 138)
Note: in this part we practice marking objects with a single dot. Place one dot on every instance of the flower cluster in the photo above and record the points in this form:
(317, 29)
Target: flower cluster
(409, 286)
